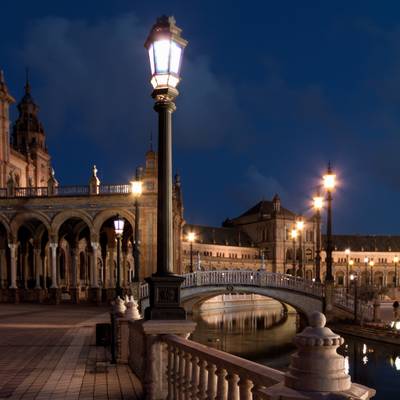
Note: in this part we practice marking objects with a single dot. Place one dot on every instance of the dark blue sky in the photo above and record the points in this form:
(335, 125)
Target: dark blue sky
(271, 91)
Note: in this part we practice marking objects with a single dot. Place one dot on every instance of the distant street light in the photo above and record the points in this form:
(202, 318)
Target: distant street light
(329, 180)
(191, 237)
(353, 278)
(165, 47)
(371, 277)
(293, 235)
(395, 260)
(351, 263)
(119, 224)
(300, 228)
(318, 203)
(366, 260)
(347, 252)
(137, 189)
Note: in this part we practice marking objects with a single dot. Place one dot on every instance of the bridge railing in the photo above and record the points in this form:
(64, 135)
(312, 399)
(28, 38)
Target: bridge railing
(346, 301)
(200, 372)
(247, 278)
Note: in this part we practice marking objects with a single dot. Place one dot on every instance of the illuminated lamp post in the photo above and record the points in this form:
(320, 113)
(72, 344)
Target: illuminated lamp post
(371, 276)
(329, 180)
(318, 204)
(347, 253)
(137, 190)
(300, 228)
(165, 47)
(293, 235)
(119, 224)
(396, 277)
(191, 237)
(351, 263)
(353, 278)
(366, 260)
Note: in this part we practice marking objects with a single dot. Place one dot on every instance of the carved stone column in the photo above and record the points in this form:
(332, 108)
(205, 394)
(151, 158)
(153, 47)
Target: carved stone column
(38, 266)
(13, 258)
(94, 274)
(53, 249)
(3, 268)
(75, 274)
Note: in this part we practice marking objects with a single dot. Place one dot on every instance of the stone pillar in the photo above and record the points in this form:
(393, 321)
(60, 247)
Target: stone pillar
(94, 275)
(148, 354)
(37, 259)
(3, 268)
(75, 275)
(53, 247)
(316, 371)
(124, 272)
(111, 268)
(13, 257)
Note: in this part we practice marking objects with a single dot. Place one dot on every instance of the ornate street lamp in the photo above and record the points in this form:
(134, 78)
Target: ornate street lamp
(137, 189)
(165, 47)
(293, 235)
(119, 224)
(353, 278)
(318, 204)
(366, 260)
(371, 277)
(395, 260)
(351, 263)
(329, 180)
(191, 237)
(347, 252)
(300, 228)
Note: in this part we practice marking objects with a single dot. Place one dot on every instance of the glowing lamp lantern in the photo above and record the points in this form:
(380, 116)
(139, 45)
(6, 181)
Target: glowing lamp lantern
(137, 188)
(165, 47)
(293, 234)
(119, 225)
(329, 181)
(300, 225)
(318, 203)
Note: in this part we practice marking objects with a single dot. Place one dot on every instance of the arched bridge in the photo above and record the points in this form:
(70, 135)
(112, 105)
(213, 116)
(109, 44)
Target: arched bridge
(306, 296)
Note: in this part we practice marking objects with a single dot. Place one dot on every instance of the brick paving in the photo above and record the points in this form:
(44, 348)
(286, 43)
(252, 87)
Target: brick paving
(49, 352)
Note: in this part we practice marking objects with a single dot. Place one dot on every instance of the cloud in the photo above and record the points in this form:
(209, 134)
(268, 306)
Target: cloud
(95, 82)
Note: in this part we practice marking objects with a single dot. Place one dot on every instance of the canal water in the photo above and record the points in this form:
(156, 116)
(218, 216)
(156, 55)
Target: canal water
(264, 334)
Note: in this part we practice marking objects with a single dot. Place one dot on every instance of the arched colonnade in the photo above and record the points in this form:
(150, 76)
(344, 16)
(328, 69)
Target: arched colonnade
(68, 250)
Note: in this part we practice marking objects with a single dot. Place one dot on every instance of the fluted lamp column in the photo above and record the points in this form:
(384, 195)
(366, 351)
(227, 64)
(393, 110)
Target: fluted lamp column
(137, 189)
(318, 203)
(119, 224)
(165, 47)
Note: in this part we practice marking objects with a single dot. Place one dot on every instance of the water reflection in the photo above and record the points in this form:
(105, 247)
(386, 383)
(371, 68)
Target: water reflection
(262, 333)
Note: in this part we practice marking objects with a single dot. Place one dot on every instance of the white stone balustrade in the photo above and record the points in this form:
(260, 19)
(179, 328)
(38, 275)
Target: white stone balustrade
(195, 371)
(247, 278)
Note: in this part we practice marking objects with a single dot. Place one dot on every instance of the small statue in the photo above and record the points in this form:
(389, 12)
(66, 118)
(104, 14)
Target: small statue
(119, 307)
(132, 311)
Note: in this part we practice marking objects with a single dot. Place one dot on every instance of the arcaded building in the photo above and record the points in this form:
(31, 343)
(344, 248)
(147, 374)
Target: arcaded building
(59, 241)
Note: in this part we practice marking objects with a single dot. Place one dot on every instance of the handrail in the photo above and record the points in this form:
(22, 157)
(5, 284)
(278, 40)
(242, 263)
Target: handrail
(203, 372)
(238, 277)
(346, 302)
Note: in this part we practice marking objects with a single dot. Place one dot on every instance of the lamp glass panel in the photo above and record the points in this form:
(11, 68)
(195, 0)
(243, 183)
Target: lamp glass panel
(173, 81)
(175, 60)
(119, 226)
(151, 57)
(161, 55)
(162, 80)
(137, 188)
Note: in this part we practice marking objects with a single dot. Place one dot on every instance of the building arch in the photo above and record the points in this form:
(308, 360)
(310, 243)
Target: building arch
(104, 215)
(63, 216)
(24, 217)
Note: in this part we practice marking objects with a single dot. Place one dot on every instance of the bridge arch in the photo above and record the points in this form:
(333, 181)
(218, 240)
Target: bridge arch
(302, 303)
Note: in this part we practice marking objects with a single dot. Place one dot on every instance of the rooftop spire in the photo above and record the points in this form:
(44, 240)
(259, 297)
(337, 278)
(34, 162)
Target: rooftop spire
(27, 84)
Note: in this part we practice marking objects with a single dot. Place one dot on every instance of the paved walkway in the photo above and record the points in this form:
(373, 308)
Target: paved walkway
(49, 352)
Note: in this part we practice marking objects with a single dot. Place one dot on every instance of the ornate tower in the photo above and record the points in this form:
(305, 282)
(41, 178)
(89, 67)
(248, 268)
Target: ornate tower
(5, 101)
(29, 140)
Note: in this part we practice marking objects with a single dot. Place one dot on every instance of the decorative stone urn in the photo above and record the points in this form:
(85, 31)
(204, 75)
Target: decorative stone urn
(316, 370)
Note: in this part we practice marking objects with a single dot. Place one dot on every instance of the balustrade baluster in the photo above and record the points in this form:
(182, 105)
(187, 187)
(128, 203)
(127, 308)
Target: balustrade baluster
(175, 374)
(181, 377)
(212, 381)
(170, 367)
(245, 386)
(202, 392)
(233, 389)
(188, 373)
(221, 383)
(256, 391)
(194, 377)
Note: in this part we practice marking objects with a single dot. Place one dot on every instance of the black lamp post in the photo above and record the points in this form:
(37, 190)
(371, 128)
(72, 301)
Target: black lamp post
(137, 192)
(119, 229)
(329, 184)
(165, 47)
(318, 203)
(300, 228)
(353, 278)
(191, 237)
(293, 235)
(395, 260)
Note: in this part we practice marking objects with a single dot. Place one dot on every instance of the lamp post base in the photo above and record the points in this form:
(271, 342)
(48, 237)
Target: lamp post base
(164, 298)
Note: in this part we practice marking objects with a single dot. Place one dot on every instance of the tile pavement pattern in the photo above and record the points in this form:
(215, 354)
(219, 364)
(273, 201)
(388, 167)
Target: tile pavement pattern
(49, 352)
